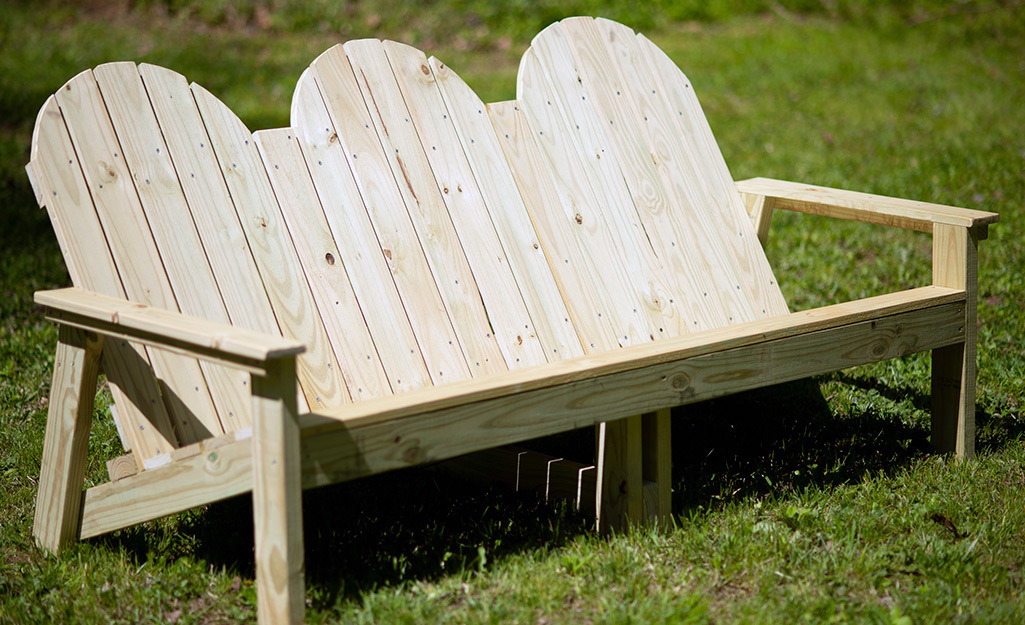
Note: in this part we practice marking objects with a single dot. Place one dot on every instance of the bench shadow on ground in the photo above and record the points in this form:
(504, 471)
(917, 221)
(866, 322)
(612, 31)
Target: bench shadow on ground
(418, 525)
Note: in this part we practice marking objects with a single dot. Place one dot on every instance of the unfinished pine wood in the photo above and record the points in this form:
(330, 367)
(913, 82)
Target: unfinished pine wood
(131, 244)
(363, 139)
(277, 497)
(210, 204)
(619, 481)
(506, 312)
(59, 500)
(657, 462)
(158, 325)
(501, 198)
(354, 349)
(759, 208)
(685, 240)
(174, 233)
(865, 207)
(737, 233)
(359, 249)
(122, 467)
(581, 270)
(275, 256)
(406, 436)
(62, 188)
(955, 264)
(599, 201)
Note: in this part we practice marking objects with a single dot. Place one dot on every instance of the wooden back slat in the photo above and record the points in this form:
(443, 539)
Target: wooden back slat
(294, 307)
(58, 176)
(705, 279)
(500, 197)
(461, 199)
(636, 283)
(354, 236)
(580, 270)
(371, 163)
(432, 227)
(321, 261)
(131, 243)
(705, 159)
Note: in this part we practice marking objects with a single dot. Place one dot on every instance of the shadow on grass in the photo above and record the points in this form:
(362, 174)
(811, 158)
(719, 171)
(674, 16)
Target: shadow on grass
(418, 525)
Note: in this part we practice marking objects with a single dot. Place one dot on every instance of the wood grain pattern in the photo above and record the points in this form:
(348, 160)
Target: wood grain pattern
(455, 185)
(277, 497)
(504, 204)
(276, 259)
(355, 355)
(83, 244)
(619, 495)
(135, 255)
(360, 134)
(353, 232)
(865, 207)
(66, 442)
(956, 265)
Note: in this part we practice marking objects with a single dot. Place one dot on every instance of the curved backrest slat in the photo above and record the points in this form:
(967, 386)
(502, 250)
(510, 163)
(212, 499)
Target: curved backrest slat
(241, 167)
(58, 175)
(358, 248)
(352, 347)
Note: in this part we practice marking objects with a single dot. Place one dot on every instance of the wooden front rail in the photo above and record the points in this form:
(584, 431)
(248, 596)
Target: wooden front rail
(444, 422)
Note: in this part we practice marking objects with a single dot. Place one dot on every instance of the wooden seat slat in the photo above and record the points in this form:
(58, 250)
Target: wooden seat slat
(358, 133)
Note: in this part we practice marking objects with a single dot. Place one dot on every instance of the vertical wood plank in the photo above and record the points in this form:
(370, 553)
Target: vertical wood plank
(955, 264)
(277, 497)
(59, 500)
(657, 460)
(59, 178)
(759, 209)
(619, 495)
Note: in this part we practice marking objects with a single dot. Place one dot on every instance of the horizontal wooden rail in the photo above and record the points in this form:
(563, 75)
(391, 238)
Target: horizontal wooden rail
(209, 340)
(864, 207)
(441, 423)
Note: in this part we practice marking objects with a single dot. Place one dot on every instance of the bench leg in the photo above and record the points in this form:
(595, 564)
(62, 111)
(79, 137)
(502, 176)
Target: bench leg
(619, 498)
(277, 497)
(657, 462)
(59, 500)
(955, 265)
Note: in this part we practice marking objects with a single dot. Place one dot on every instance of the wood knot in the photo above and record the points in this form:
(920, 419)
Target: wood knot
(680, 381)
(329, 258)
(426, 70)
(579, 218)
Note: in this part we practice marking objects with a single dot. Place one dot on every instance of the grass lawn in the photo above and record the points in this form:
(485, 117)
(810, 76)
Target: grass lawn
(818, 501)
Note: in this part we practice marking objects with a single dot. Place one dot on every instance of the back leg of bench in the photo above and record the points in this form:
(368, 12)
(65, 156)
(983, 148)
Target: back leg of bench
(955, 264)
(619, 498)
(657, 463)
(59, 500)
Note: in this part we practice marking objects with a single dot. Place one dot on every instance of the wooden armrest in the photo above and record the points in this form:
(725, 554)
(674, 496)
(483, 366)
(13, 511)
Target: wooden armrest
(865, 207)
(209, 340)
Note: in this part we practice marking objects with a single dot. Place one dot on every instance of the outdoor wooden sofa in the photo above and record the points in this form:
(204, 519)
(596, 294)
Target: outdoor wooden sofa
(407, 274)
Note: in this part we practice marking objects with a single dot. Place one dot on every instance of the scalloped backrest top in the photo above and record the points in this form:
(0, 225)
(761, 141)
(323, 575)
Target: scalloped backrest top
(407, 233)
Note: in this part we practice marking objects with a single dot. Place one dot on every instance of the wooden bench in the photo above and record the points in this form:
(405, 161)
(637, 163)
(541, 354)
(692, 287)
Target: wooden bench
(406, 274)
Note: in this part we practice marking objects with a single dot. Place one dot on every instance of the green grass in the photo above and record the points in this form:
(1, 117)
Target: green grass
(813, 502)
